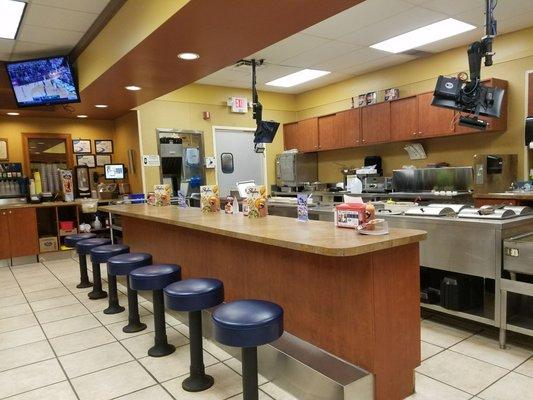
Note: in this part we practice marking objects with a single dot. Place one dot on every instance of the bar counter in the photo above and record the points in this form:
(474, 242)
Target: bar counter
(354, 296)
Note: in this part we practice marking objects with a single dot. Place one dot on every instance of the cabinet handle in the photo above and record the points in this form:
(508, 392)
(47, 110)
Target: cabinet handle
(419, 133)
(10, 212)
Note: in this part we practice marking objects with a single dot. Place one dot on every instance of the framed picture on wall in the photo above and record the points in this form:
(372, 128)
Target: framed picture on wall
(102, 160)
(4, 155)
(81, 146)
(103, 146)
(87, 160)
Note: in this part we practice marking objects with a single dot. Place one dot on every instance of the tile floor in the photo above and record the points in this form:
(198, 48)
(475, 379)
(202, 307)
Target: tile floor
(57, 344)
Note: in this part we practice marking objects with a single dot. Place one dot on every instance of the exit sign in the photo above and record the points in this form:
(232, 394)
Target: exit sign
(239, 105)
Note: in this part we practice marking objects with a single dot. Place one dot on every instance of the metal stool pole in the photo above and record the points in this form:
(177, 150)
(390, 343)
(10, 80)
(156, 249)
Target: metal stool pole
(249, 373)
(84, 276)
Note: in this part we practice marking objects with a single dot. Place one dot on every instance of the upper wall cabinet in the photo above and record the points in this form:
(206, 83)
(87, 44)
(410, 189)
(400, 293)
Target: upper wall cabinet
(409, 118)
(375, 123)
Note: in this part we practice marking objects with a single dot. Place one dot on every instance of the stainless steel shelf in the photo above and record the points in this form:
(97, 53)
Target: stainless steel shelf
(475, 315)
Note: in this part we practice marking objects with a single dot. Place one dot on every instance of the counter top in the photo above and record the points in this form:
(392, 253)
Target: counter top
(316, 237)
(505, 196)
(39, 205)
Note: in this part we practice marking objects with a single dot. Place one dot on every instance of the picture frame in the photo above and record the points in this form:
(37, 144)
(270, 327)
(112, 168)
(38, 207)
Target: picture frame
(86, 159)
(4, 150)
(103, 146)
(82, 146)
(103, 159)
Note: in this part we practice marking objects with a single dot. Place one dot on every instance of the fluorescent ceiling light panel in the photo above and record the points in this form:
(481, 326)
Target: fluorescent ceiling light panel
(305, 75)
(11, 12)
(421, 36)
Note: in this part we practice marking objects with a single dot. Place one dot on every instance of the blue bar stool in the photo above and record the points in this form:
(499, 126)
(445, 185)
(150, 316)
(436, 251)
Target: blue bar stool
(248, 324)
(195, 295)
(71, 241)
(156, 277)
(100, 255)
(84, 247)
(123, 264)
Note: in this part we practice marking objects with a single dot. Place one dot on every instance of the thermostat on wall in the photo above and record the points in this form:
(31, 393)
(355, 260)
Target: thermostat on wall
(210, 162)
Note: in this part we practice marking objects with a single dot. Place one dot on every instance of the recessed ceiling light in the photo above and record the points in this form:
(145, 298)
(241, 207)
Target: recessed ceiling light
(189, 56)
(13, 113)
(11, 13)
(297, 78)
(101, 105)
(82, 116)
(133, 88)
(421, 36)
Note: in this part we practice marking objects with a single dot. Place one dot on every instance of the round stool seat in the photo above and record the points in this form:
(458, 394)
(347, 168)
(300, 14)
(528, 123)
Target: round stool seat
(194, 294)
(85, 246)
(247, 323)
(71, 240)
(103, 253)
(123, 264)
(154, 277)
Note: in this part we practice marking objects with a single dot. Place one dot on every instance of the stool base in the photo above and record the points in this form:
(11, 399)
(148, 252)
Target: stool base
(97, 292)
(161, 350)
(84, 285)
(95, 295)
(114, 309)
(197, 383)
(134, 327)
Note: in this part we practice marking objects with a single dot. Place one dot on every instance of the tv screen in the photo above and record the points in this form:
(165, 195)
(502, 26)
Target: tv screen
(114, 171)
(44, 81)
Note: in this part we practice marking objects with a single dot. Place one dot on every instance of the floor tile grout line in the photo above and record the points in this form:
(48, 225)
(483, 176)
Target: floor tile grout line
(136, 360)
(51, 347)
(32, 390)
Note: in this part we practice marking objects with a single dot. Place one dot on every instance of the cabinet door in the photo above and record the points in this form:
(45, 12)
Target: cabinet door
(23, 232)
(404, 119)
(4, 235)
(433, 121)
(290, 136)
(375, 123)
(308, 135)
(329, 132)
(350, 122)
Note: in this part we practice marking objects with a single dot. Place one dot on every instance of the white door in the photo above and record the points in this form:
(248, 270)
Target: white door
(236, 159)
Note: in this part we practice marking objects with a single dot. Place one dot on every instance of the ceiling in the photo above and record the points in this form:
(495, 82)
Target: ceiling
(340, 44)
(51, 27)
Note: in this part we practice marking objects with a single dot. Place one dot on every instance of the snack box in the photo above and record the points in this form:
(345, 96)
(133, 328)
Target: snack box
(349, 215)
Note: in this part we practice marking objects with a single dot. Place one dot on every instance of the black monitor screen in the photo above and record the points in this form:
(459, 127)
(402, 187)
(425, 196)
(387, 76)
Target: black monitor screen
(114, 171)
(44, 81)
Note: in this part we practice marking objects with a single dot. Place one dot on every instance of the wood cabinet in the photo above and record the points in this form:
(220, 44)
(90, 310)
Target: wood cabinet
(433, 121)
(350, 123)
(4, 236)
(375, 123)
(20, 227)
(301, 135)
(404, 119)
(330, 130)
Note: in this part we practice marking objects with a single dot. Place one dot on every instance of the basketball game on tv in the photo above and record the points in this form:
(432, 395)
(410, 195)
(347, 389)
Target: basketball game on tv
(41, 82)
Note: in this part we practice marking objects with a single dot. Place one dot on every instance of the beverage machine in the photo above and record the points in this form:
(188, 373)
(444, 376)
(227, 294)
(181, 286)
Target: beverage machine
(13, 185)
(182, 154)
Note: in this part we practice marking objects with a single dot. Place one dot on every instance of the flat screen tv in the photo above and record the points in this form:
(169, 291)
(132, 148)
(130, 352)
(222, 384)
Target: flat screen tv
(114, 171)
(43, 82)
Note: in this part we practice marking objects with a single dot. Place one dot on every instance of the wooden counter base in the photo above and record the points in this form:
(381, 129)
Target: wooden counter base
(363, 309)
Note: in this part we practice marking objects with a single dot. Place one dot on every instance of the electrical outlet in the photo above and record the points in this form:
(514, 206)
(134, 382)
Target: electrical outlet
(210, 162)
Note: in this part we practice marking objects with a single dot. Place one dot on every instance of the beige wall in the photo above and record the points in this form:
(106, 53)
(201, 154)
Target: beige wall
(514, 56)
(127, 138)
(12, 127)
(182, 109)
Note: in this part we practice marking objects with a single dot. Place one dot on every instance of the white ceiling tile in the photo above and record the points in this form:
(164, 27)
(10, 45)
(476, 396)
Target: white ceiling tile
(404, 22)
(289, 47)
(418, 2)
(521, 21)
(271, 72)
(378, 64)
(320, 54)
(36, 34)
(455, 41)
(352, 59)
(91, 6)
(504, 10)
(366, 13)
(454, 7)
(50, 17)
(25, 50)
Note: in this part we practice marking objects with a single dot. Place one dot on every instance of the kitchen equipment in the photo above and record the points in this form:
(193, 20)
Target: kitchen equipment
(519, 210)
(427, 211)
(461, 292)
(427, 179)
(518, 254)
(354, 184)
(494, 172)
(82, 186)
(455, 207)
(293, 169)
(346, 172)
(377, 184)
(486, 213)
(374, 160)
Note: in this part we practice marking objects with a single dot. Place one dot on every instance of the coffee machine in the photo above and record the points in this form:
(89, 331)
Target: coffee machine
(82, 185)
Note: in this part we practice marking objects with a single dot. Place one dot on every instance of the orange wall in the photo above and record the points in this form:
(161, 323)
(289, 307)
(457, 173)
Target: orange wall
(127, 138)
